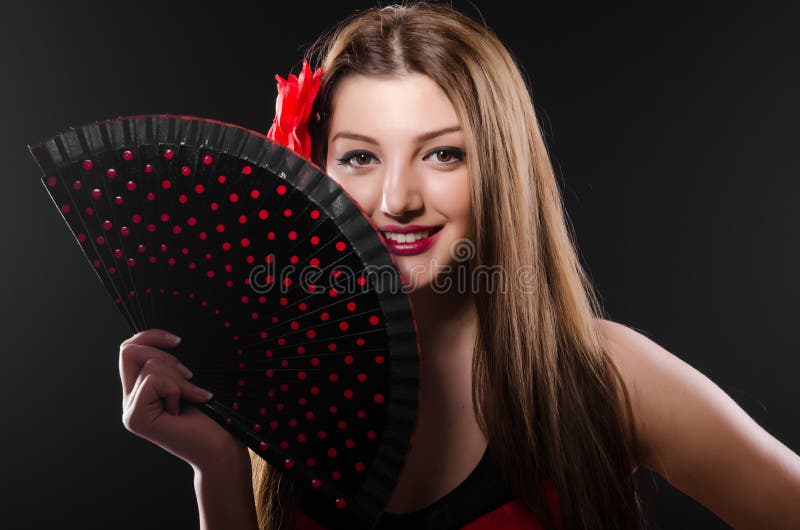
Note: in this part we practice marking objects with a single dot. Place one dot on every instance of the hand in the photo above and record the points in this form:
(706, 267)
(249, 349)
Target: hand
(153, 383)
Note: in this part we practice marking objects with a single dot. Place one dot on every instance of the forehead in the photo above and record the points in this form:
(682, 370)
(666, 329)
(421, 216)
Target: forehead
(412, 103)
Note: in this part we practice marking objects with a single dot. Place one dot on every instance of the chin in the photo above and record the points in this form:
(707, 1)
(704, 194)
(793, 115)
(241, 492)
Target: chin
(422, 272)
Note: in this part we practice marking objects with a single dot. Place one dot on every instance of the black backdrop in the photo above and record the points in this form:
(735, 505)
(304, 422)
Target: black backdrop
(674, 132)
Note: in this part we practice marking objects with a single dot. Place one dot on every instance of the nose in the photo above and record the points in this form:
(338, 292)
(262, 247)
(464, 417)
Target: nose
(401, 196)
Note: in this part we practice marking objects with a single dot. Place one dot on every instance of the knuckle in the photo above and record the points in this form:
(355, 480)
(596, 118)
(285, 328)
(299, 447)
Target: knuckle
(151, 364)
(127, 350)
(161, 384)
(129, 420)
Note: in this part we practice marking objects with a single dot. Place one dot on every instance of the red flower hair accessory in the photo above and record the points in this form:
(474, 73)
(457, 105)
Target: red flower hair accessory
(293, 110)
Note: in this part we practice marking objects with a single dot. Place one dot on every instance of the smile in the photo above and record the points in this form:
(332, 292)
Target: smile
(406, 241)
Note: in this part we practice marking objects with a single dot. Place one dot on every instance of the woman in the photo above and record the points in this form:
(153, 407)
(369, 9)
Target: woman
(423, 117)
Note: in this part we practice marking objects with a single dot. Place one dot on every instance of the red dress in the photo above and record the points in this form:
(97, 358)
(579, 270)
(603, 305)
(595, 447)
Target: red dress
(480, 502)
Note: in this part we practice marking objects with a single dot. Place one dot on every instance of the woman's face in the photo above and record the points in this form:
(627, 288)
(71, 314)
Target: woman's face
(396, 147)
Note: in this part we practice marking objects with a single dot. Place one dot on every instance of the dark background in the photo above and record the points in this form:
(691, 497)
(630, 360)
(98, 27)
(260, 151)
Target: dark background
(674, 131)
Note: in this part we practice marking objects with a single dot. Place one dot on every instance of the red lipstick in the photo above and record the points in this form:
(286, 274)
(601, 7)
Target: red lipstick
(408, 245)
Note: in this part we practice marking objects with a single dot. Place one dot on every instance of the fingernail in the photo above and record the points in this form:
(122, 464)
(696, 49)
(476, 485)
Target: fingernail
(209, 395)
(174, 338)
(186, 372)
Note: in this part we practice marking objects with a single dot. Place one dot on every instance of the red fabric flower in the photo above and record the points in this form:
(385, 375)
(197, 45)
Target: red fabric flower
(293, 110)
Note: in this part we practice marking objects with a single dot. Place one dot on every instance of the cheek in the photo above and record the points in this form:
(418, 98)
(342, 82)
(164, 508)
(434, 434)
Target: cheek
(451, 197)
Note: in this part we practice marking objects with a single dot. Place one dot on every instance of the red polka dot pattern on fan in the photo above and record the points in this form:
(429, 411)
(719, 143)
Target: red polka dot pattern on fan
(267, 270)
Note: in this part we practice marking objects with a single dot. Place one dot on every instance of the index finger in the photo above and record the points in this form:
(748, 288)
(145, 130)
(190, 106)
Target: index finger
(153, 337)
(133, 358)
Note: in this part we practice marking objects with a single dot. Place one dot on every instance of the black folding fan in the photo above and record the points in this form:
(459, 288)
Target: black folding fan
(290, 306)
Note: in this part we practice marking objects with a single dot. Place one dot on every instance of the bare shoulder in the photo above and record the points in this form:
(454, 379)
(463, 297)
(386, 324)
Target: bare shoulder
(696, 437)
(645, 368)
(634, 355)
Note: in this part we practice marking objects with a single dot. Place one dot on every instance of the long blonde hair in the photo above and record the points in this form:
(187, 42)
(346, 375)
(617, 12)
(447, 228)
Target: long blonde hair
(546, 395)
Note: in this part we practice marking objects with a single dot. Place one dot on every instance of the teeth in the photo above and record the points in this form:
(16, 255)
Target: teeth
(407, 238)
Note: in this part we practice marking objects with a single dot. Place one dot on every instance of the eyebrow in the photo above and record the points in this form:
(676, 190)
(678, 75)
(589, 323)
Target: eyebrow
(419, 139)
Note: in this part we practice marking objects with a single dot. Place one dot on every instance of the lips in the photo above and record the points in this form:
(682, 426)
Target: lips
(409, 239)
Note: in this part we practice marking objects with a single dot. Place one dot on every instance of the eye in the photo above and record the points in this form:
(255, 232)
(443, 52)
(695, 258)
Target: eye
(355, 159)
(447, 155)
